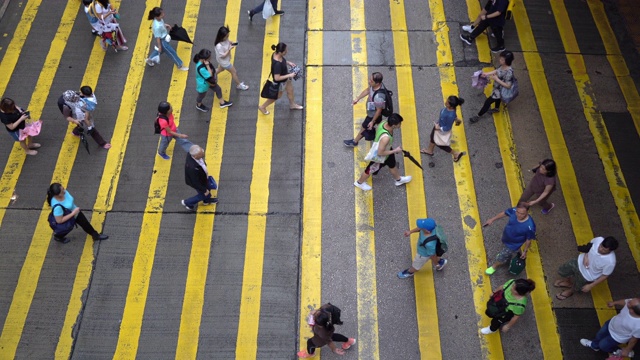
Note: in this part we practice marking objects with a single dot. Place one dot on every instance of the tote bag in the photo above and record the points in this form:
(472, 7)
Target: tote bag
(267, 10)
(373, 153)
(442, 138)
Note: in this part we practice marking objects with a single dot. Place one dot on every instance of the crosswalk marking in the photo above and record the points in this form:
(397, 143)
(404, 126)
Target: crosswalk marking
(247, 341)
(28, 280)
(191, 317)
(480, 283)
(366, 290)
(566, 174)
(311, 248)
(426, 307)
(133, 313)
(626, 209)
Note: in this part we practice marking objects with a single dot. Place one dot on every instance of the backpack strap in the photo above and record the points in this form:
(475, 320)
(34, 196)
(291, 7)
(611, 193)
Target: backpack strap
(163, 117)
(431, 238)
(211, 80)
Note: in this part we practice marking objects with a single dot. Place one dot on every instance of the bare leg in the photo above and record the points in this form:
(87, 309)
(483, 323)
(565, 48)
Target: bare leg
(292, 101)
(234, 74)
(363, 177)
(23, 145)
(394, 172)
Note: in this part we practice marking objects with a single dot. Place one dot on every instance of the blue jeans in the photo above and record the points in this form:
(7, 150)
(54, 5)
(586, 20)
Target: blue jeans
(258, 9)
(200, 196)
(165, 140)
(167, 49)
(603, 340)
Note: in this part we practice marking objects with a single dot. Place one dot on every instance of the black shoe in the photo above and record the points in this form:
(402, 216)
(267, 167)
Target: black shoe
(250, 13)
(100, 237)
(211, 201)
(279, 12)
(474, 119)
(63, 240)
(497, 49)
(466, 38)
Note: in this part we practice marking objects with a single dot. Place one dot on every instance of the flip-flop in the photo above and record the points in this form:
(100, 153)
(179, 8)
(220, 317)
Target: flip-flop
(297, 107)
(561, 297)
(559, 284)
(425, 152)
(459, 156)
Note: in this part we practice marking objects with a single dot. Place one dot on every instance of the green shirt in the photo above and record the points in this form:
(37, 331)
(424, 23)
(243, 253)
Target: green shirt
(381, 130)
(516, 309)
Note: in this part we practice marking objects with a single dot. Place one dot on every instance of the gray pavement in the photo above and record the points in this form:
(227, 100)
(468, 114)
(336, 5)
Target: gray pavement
(98, 325)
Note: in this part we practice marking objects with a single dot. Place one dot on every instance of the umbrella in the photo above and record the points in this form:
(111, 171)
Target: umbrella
(179, 33)
(83, 140)
(413, 160)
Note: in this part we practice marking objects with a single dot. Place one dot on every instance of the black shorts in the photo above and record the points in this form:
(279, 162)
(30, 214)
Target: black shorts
(368, 135)
(375, 167)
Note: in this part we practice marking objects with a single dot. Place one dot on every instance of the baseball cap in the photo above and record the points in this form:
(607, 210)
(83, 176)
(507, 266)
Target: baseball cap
(427, 224)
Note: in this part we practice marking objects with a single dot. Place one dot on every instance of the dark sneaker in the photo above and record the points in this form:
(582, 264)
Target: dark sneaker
(100, 237)
(404, 274)
(250, 15)
(202, 107)
(466, 38)
(64, 240)
(350, 143)
(279, 12)
(497, 49)
(211, 201)
(474, 119)
(492, 111)
(225, 104)
(165, 156)
(441, 264)
(190, 208)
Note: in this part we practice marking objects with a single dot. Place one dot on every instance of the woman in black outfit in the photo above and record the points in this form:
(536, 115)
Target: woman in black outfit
(14, 119)
(322, 321)
(282, 77)
(258, 9)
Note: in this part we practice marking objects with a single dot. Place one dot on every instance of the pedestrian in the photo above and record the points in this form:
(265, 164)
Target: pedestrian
(89, 10)
(75, 110)
(502, 77)
(426, 247)
(15, 119)
(518, 234)
(162, 38)
(169, 131)
(322, 323)
(542, 185)
(282, 77)
(493, 15)
(258, 9)
(197, 176)
(223, 56)
(62, 201)
(509, 311)
(595, 263)
(376, 102)
(206, 79)
(385, 154)
(620, 329)
(109, 28)
(441, 133)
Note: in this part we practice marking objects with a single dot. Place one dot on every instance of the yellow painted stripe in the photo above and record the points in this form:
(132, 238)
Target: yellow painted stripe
(619, 66)
(480, 284)
(566, 174)
(311, 248)
(191, 317)
(482, 42)
(28, 280)
(540, 299)
(367, 297)
(247, 341)
(131, 324)
(426, 307)
(626, 209)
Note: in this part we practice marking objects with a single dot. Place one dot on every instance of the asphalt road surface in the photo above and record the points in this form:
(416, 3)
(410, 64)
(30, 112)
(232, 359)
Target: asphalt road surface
(236, 280)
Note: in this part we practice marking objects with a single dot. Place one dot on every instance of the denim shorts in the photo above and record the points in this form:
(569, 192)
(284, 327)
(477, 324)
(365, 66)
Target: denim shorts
(15, 135)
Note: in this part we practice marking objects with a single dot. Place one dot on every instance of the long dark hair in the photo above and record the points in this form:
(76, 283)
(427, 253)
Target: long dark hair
(7, 106)
(279, 48)
(323, 318)
(222, 33)
(550, 165)
(203, 54)
(154, 13)
(54, 190)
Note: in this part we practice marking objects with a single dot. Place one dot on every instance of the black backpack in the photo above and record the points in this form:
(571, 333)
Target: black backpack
(498, 304)
(156, 124)
(388, 103)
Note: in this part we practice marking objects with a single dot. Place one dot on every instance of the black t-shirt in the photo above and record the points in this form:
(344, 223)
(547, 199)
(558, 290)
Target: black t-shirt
(497, 5)
(10, 118)
(279, 67)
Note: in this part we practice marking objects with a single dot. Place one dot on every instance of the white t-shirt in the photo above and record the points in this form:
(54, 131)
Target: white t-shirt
(598, 264)
(623, 326)
(221, 48)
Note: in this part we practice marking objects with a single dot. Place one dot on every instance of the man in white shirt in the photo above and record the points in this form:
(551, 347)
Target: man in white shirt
(591, 267)
(620, 329)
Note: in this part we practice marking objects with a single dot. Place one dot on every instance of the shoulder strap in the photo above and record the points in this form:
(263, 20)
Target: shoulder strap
(54, 206)
(432, 237)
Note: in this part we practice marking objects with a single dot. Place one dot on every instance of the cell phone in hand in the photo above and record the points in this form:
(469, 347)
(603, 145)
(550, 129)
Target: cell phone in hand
(234, 43)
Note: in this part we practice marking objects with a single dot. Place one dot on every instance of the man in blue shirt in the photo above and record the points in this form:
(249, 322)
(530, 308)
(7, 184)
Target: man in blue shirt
(426, 247)
(518, 233)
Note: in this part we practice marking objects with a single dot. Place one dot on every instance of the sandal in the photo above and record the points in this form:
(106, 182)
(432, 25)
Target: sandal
(34, 146)
(31, 152)
(424, 151)
(459, 156)
(106, 146)
(561, 296)
(562, 284)
(296, 107)
(264, 112)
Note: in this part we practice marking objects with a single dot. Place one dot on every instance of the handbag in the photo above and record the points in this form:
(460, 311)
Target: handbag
(270, 90)
(211, 183)
(61, 228)
(442, 138)
(508, 95)
(517, 265)
(267, 10)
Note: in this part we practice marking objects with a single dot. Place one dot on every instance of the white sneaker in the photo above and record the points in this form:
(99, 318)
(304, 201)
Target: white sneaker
(587, 343)
(403, 180)
(486, 330)
(184, 68)
(619, 353)
(242, 86)
(156, 59)
(150, 62)
(363, 186)
(468, 28)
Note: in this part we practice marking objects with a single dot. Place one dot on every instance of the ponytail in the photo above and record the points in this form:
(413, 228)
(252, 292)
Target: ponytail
(455, 101)
(279, 48)
(154, 13)
(203, 54)
(54, 190)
